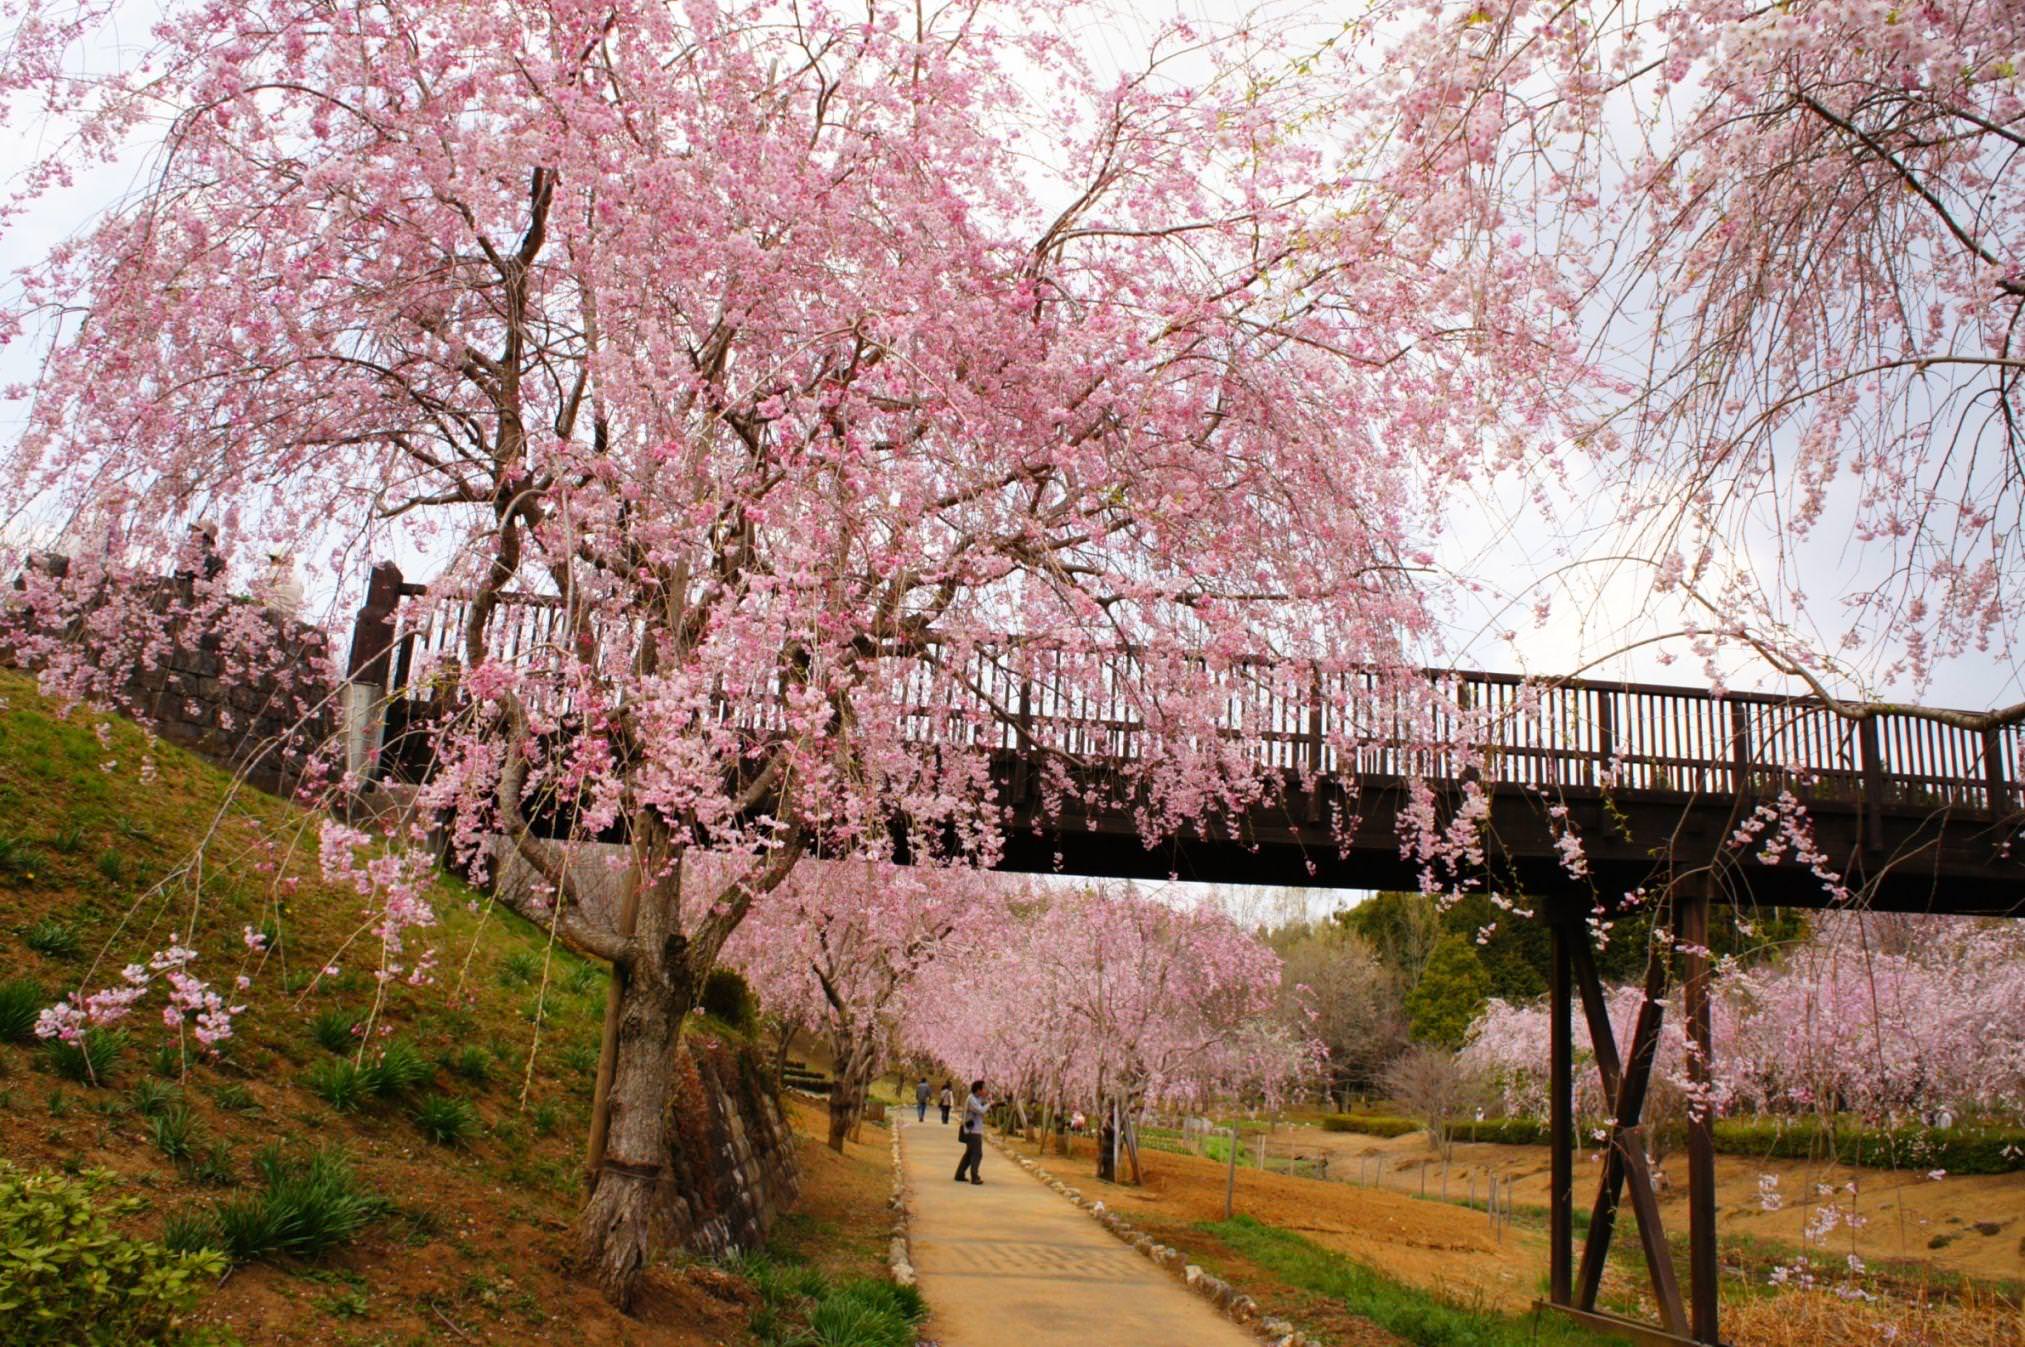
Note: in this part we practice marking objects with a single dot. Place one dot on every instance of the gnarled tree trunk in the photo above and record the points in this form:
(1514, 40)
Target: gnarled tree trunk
(856, 1061)
(626, 1217)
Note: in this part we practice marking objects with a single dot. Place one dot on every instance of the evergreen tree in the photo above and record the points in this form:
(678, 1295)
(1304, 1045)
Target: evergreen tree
(1450, 995)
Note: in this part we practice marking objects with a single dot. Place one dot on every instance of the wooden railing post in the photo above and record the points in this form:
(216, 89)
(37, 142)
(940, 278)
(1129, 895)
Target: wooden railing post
(1873, 784)
(1606, 736)
(1994, 779)
(1740, 749)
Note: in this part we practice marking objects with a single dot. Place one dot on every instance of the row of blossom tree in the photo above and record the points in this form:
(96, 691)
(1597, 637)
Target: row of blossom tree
(1897, 1019)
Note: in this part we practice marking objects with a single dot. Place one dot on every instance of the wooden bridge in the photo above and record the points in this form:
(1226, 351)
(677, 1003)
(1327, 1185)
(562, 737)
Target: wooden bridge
(1904, 812)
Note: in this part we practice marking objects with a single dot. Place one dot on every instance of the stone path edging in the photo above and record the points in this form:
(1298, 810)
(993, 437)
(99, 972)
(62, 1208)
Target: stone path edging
(899, 1253)
(1240, 1309)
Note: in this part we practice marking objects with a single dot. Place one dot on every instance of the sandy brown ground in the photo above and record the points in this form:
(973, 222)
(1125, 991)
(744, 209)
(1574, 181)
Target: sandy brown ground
(1971, 1225)
(1012, 1263)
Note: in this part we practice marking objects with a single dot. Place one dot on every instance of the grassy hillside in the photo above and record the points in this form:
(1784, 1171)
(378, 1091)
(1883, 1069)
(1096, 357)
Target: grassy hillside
(460, 1119)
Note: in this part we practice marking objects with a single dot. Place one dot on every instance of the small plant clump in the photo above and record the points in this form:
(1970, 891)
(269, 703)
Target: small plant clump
(51, 939)
(446, 1119)
(399, 1069)
(21, 1000)
(306, 1207)
(472, 1063)
(340, 1083)
(332, 1030)
(89, 1058)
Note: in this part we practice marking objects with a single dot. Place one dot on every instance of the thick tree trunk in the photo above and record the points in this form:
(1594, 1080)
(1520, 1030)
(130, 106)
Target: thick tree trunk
(626, 1218)
(847, 1095)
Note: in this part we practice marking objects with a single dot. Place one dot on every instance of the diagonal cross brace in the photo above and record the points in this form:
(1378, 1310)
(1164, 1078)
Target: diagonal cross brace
(1625, 1163)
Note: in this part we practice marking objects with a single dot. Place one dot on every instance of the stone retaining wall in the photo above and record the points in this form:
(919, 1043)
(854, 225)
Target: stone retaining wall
(732, 1163)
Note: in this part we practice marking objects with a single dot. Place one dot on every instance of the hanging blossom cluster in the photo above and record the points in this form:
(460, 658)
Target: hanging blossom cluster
(394, 881)
(190, 1000)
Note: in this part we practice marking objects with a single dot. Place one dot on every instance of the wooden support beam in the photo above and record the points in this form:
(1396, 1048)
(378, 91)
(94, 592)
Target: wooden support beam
(1611, 1325)
(1561, 1109)
(1691, 921)
(1625, 1161)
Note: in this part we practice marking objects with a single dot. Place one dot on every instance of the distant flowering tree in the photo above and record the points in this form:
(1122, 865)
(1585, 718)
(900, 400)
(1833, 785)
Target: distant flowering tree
(823, 373)
(846, 945)
(1106, 999)
(1842, 1022)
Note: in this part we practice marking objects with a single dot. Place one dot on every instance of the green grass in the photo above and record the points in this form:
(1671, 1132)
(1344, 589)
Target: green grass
(799, 1306)
(1413, 1314)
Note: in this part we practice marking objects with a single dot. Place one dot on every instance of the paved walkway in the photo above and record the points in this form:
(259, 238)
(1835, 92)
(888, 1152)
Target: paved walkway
(1015, 1264)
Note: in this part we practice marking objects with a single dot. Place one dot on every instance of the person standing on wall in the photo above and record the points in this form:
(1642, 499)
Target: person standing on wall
(972, 1133)
(921, 1093)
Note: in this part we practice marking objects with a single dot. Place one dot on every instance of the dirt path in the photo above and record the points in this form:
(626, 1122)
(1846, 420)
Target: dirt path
(1012, 1262)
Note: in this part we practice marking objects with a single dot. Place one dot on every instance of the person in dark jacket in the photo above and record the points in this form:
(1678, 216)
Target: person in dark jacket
(947, 1102)
(972, 1133)
(921, 1093)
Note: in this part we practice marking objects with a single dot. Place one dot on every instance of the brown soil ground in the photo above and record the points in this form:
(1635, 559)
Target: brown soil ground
(1447, 1249)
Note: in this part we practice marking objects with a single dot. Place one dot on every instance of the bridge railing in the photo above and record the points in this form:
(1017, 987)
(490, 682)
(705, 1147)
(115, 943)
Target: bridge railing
(1574, 734)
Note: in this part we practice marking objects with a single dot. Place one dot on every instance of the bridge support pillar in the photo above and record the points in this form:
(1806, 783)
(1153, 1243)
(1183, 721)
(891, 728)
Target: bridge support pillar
(1692, 922)
(1561, 1109)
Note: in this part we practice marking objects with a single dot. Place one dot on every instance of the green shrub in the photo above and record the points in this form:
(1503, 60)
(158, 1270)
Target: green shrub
(166, 1060)
(1371, 1124)
(339, 1083)
(1503, 1131)
(20, 1003)
(68, 1279)
(1967, 1148)
(546, 1117)
(473, 1063)
(69, 839)
(332, 1030)
(726, 997)
(306, 1207)
(90, 1059)
(51, 939)
(583, 978)
(234, 1098)
(398, 1069)
(446, 1119)
(112, 867)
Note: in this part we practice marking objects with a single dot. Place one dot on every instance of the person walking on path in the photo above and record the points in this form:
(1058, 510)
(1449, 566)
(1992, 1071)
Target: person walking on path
(972, 1133)
(921, 1101)
(947, 1101)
